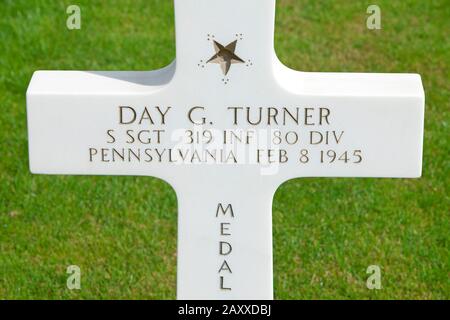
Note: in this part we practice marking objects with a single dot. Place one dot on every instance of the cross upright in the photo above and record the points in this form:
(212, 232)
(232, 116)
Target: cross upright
(225, 125)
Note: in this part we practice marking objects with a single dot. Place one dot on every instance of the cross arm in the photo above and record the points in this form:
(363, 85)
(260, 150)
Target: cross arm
(376, 118)
(68, 111)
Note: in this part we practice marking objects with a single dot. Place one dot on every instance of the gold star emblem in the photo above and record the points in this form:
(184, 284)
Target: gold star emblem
(225, 56)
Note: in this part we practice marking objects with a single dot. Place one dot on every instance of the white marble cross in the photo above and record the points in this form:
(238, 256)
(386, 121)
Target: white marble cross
(225, 124)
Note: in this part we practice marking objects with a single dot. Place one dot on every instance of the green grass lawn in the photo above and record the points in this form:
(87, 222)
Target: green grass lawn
(121, 231)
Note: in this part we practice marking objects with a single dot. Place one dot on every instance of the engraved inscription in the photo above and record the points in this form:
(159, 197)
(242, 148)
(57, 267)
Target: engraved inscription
(247, 135)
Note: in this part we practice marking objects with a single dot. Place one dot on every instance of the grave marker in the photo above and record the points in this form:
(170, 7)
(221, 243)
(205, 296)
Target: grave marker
(225, 125)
